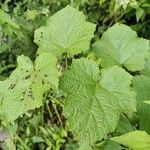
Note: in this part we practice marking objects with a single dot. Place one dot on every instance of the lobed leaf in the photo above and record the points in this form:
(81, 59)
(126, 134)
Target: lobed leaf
(24, 90)
(66, 31)
(120, 46)
(94, 102)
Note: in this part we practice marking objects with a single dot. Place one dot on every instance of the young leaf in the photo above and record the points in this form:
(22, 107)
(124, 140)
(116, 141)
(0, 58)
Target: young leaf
(137, 140)
(94, 103)
(121, 46)
(24, 89)
(66, 31)
(141, 85)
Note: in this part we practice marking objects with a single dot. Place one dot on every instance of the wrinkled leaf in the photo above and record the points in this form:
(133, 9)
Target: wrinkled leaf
(24, 89)
(120, 46)
(66, 31)
(94, 102)
(141, 85)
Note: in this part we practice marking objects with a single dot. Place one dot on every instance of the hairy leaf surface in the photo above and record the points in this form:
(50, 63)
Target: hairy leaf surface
(66, 31)
(94, 102)
(121, 46)
(24, 89)
(137, 140)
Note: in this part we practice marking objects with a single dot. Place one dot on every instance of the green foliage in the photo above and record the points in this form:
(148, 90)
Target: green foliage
(142, 86)
(116, 48)
(5, 19)
(110, 145)
(66, 31)
(137, 140)
(124, 126)
(24, 90)
(93, 107)
(81, 90)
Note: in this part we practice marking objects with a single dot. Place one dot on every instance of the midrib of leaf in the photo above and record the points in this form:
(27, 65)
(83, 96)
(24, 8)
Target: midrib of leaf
(71, 31)
(93, 97)
(91, 114)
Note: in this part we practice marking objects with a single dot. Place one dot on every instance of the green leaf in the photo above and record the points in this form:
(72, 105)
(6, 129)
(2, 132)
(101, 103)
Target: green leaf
(137, 140)
(5, 18)
(94, 102)
(139, 13)
(121, 46)
(146, 70)
(101, 2)
(24, 90)
(9, 144)
(141, 85)
(66, 31)
(146, 102)
(124, 125)
(123, 3)
(107, 145)
(37, 139)
(110, 145)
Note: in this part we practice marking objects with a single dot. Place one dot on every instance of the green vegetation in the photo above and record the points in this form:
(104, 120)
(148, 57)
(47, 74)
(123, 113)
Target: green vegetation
(74, 75)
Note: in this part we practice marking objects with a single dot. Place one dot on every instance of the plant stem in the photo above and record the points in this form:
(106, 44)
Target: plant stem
(49, 110)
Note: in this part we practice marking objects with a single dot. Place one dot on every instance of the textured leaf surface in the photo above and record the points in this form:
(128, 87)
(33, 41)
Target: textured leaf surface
(66, 31)
(141, 85)
(121, 46)
(94, 102)
(24, 89)
(137, 140)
